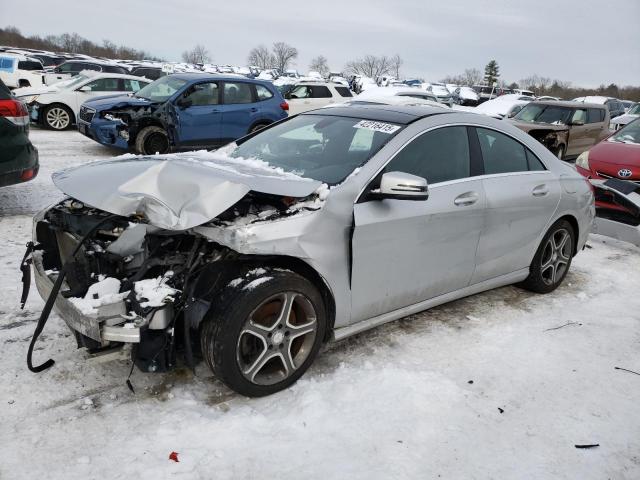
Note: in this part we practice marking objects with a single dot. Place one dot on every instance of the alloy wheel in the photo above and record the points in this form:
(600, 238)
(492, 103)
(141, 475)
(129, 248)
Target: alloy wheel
(277, 338)
(58, 118)
(556, 256)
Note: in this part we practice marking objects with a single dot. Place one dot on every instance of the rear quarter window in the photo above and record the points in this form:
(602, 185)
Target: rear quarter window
(263, 93)
(344, 91)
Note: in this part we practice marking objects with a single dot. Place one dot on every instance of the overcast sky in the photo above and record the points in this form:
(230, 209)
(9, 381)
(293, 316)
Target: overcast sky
(583, 41)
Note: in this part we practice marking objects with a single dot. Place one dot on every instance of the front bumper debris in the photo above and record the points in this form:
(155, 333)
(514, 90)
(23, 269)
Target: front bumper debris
(619, 217)
(110, 324)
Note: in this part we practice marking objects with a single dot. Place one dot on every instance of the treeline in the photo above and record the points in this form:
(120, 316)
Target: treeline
(542, 85)
(71, 43)
(558, 88)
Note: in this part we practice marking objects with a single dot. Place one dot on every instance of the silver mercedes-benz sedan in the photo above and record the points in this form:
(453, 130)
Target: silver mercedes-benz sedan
(313, 229)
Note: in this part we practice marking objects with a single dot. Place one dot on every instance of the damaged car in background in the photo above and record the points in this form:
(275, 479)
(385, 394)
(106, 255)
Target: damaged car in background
(313, 229)
(182, 111)
(613, 166)
(565, 128)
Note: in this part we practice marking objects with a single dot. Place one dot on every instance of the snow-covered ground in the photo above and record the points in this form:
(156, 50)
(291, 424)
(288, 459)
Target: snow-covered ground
(485, 387)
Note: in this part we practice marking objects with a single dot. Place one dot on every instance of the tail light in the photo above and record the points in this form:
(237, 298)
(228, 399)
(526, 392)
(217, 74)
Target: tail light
(14, 111)
(284, 106)
(28, 174)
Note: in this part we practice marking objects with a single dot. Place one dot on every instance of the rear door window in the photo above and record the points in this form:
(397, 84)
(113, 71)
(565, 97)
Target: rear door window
(237, 92)
(501, 153)
(595, 115)
(29, 65)
(133, 85)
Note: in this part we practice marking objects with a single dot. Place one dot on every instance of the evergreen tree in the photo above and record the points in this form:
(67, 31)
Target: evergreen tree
(491, 72)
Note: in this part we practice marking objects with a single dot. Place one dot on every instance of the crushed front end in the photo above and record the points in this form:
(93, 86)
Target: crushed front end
(127, 283)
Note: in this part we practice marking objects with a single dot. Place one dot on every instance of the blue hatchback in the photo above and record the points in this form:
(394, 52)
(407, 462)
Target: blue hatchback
(182, 111)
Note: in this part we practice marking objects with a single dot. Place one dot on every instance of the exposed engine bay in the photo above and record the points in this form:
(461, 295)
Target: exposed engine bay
(550, 138)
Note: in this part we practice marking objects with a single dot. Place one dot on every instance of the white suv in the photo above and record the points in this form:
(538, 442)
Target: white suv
(57, 106)
(20, 70)
(305, 96)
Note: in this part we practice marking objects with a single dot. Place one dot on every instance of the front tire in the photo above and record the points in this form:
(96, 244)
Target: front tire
(58, 117)
(264, 332)
(552, 261)
(152, 140)
(559, 152)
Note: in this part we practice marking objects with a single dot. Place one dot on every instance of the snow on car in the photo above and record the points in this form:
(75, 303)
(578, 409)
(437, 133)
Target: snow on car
(503, 106)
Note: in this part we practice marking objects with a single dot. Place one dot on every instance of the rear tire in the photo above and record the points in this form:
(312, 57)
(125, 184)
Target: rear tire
(264, 332)
(552, 261)
(152, 140)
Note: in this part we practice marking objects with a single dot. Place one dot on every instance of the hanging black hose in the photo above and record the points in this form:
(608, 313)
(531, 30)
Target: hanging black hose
(46, 311)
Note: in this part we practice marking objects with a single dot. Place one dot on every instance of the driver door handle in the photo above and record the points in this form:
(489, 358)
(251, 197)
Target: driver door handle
(466, 199)
(540, 191)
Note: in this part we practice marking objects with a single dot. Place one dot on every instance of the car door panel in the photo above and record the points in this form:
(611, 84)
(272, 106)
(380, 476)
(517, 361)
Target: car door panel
(405, 252)
(519, 207)
(239, 110)
(199, 121)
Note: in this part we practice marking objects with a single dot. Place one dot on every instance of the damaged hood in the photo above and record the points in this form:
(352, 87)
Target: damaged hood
(179, 191)
(117, 101)
(531, 126)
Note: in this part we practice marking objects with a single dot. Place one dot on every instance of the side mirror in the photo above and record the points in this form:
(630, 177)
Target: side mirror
(402, 186)
(84, 89)
(577, 122)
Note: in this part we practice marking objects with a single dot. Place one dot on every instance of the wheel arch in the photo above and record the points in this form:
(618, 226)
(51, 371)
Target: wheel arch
(214, 279)
(573, 221)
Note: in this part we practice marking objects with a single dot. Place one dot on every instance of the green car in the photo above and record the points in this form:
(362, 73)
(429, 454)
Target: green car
(18, 157)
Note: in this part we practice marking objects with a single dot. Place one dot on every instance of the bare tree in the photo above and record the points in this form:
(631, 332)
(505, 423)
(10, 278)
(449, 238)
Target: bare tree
(261, 57)
(454, 79)
(320, 65)
(283, 54)
(369, 66)
(535, 82)
(198, 54)
(472, 76)
(396, 62)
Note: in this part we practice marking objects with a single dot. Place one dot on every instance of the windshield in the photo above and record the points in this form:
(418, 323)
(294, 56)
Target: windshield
(321, 147)
(628, 134)
(635, 110)
(533, 113)
(161, 89)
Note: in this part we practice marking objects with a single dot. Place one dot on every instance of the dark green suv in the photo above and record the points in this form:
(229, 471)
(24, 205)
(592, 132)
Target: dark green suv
(18, 157)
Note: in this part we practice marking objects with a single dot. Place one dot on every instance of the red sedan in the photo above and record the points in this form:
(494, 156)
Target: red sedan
(616, 157)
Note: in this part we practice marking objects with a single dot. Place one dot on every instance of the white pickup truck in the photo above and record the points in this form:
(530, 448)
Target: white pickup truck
(20, 70)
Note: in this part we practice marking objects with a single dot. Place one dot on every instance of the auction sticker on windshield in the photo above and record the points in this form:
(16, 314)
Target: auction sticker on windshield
(377, 126)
